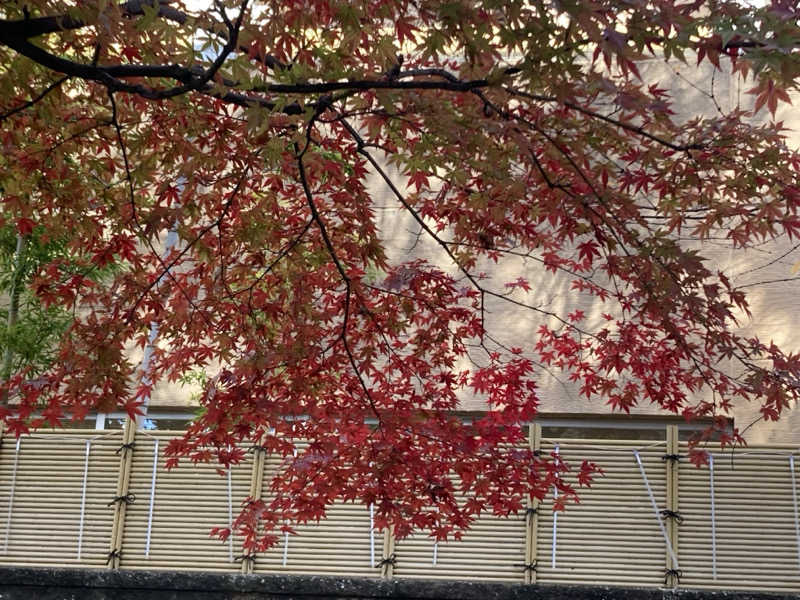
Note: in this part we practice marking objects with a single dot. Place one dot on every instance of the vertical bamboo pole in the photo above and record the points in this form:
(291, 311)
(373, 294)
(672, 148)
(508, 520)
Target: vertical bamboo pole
(673, 468)
(256, 483)
(8, 524)
(2, 431)
(387, 562)
(532, 514)
(123, 483)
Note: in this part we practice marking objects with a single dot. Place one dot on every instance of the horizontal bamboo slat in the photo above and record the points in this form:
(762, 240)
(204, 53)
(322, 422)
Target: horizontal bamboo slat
(753, 525)
(493, 549)
(341, 544)
(612, 535)
(187, 502)
(41, 498)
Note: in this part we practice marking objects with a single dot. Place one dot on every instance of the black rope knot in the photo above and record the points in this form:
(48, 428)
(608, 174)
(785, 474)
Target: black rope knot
(256, 448)
(126, 447)
(537, 452)
(676, 573)
(127, 499)
(671, 457)
(531, 566)
(389, 560)
(531, 511)
(113, 554)
(249, 558)
(671, 514)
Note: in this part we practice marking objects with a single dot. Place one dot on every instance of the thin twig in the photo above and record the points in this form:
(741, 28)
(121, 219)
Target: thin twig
(32, 101)
(317, 218)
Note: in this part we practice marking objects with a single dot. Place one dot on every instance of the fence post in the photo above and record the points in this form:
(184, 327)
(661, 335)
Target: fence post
(123, 496)
(672, 465)
(256, 483)
(532, 514)
(388, 558)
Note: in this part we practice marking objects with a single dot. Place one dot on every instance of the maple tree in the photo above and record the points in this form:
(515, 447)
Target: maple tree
(502, 129)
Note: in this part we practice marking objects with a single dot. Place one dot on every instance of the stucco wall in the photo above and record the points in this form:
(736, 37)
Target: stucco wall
(775, 305)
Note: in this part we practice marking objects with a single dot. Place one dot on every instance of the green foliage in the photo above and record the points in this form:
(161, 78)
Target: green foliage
(31, 340)
(196, 380)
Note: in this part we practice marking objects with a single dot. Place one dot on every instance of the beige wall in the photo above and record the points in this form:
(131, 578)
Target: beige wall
(775, 306)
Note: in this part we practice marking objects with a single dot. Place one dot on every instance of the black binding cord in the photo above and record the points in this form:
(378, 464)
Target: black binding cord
(126, 447)
(528, 566)
(113, 554)
(671, 514)
(127, 499)
(671, 457)
(676, 573)
(389, 560)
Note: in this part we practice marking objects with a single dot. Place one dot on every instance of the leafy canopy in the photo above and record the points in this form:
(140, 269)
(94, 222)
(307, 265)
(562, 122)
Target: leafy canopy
(270, 134)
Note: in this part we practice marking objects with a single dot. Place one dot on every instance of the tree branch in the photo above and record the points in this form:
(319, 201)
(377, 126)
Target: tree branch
(36, 27)
(31, 28)
(32, 101)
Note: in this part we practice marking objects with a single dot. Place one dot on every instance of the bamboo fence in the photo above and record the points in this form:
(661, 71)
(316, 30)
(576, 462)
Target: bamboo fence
(102, 499)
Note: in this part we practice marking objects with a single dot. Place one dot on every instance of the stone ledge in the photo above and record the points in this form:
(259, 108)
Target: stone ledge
(44, 583)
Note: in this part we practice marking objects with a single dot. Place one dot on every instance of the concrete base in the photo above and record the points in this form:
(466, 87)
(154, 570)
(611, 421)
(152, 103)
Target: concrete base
(35, 583)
